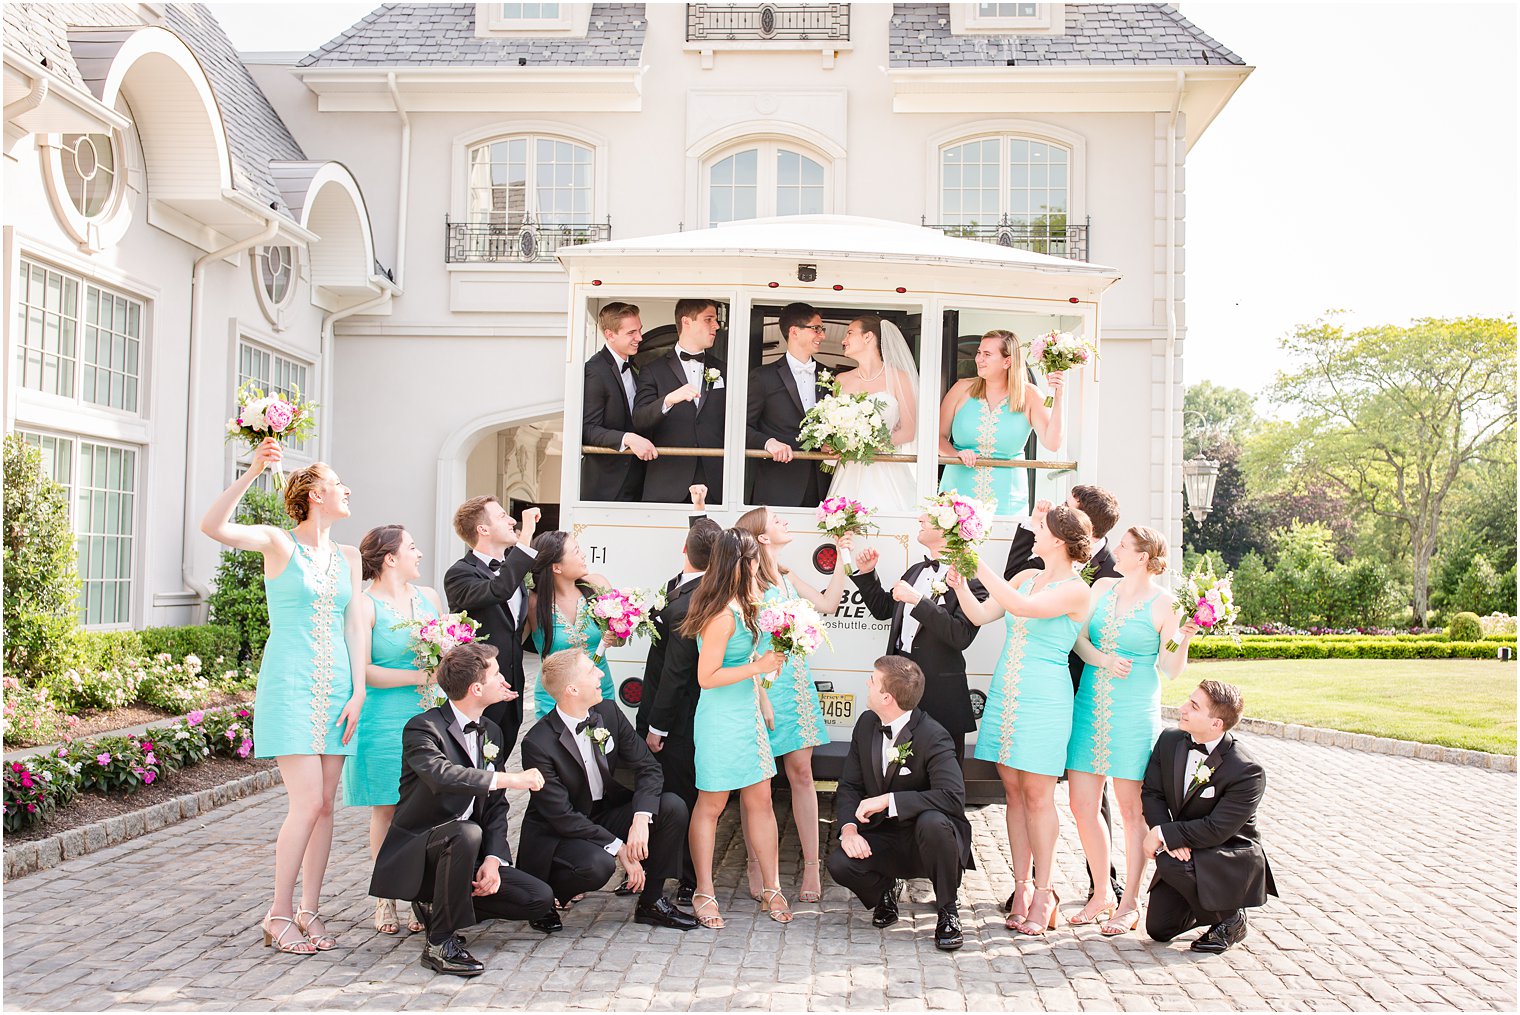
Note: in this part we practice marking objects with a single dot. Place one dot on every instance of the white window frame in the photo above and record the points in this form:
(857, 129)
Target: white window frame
(572, 22)
(966, 19)
(104, 229)
(276, 311)
(240, 457)
(1027, 130)
(766, 181)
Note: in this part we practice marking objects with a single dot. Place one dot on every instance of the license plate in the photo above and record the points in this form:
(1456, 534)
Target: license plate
(838, 708)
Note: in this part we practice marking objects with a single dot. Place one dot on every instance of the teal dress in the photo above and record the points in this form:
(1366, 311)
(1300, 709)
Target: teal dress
(794, 699)
(373, 778)
(1027, 721)
(992, 433)
(304, 678)
(584, 635)
(1117, 719)
(732, 747)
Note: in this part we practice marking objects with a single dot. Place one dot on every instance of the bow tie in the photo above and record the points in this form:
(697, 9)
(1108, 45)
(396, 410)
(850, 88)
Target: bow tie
(581, 726)
(700, 357)
(494, 565)
(1200, 748)
(889, 733)
(932, 562)
(627, 365)
(808, 367)
(472, 727)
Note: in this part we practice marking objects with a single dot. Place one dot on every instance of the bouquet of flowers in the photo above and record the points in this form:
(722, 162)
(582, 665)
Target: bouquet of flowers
(839, 516)
(795, 628)
(1059, 350)
(854, 427)
(260, 416)
(432, 639)
(621, 613)
(1206, 599)
(966, 523)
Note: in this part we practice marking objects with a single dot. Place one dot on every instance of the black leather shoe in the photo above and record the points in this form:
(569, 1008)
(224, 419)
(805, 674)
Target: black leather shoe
(549, 924)
(663, 913)
(623, 889)
(450, 957)
(684, 895)
(885, 914)
(1218, 938)
(947, 933)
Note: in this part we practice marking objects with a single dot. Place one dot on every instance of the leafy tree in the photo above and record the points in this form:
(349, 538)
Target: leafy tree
(41, 576)
(1224, 415)
(237, 597)
(1478, 591)
(1391, 416)
(1231, 526)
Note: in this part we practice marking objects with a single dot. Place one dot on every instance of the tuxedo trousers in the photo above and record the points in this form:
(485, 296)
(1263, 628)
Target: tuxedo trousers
(1174, 905)
(453, 857)
(678, 760)
(580, 865)
(927, 846)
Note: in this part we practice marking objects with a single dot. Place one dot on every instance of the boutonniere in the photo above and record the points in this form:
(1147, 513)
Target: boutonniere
(712, 375)
(824, 377)
(938, 588)
(602, 738)
(1200, 777)
(901, 753)
(1089, 573)
(489, 751)
(528, 581)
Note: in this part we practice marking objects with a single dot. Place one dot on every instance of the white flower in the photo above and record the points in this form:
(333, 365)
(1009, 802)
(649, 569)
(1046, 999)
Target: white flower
(938, 588)
(712, 375)
(602, 737)
(489, 751)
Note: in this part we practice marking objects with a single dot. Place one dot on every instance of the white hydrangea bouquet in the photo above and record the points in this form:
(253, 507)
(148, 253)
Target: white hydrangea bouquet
(260, 416)
(1058, 350)
(854, 427)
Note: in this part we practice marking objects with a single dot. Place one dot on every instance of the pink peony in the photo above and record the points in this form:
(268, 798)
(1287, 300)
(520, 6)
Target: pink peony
(1205, 615)
(194, 718)
(279, 414)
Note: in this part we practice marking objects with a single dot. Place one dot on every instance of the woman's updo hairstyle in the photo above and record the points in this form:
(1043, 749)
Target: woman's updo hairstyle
(1073, 528)
(871, 325)
(1148, 540)
(377, 544)
(298, 487)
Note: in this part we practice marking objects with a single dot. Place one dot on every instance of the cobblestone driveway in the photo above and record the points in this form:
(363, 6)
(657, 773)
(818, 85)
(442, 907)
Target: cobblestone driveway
(1398, 882)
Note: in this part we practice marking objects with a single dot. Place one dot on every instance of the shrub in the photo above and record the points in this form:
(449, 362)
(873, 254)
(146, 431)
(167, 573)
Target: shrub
(1274, 647)
(174, 687)
(1497, 624)
(105, 650)
(205, 641)
(41, 584)
(32, 716)
(237, 597)
(1465, 627)
(36, 787)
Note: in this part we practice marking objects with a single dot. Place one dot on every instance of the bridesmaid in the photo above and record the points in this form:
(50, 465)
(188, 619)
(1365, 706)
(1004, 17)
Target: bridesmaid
(398, 690)
(799, 723)
(1026, 723)
(558, 614)
(1118, 712)
(991, 416)
(311, 679)
(732, 750)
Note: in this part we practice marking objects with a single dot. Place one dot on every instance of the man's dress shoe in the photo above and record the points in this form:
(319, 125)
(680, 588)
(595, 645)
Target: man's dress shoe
(663, 913)
(947, 933)
(450, 957)
(1218, 938)
(885, 914)
(549, 924)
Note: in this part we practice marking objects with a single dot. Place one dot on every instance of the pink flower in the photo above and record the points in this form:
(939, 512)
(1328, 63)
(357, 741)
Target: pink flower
(244, 747)
(194, 718)
(103, 758)
(149, 776)
(1205, 615)
(279, 414)
(963, 510)
(151, 759)
(63, 752)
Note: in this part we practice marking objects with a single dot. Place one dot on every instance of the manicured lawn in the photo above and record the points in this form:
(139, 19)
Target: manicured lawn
(1467, 703)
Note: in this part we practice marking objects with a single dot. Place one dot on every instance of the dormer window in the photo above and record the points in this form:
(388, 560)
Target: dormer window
(562, 20)
(1008, 19)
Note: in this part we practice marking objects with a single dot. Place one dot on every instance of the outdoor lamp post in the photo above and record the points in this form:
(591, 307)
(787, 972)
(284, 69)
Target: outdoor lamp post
(1198, 477)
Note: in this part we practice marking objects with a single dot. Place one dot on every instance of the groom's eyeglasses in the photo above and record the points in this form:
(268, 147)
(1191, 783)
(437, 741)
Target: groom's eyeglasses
(816, 327)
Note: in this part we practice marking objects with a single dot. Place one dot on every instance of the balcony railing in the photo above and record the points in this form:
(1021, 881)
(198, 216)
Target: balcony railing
(766, 22)
(1059, 240)
(525, 242)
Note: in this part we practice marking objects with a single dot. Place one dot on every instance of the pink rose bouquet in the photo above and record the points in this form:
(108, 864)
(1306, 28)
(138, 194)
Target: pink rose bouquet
(795, 628)
(1206, 599)
(839, 516)
(260, 416)
(432, 639)
(966, 523)
(622, 613)
(1058, 350)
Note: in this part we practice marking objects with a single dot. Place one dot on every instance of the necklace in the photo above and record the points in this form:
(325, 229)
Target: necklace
(877, 374)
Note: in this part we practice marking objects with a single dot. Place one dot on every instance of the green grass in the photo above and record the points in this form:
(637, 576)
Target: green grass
(1468, 703)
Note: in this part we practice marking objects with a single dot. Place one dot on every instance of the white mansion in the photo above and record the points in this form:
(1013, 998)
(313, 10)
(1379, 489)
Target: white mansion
(376, 222)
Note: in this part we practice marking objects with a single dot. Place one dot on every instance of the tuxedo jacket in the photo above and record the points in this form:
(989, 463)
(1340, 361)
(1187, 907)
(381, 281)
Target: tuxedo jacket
(775, 410)
(930, 780)
(688, 425)
(670, 675)
(1021, 558)
(939, 647)
(438, 780)
(605, 418)
(563, 808)
(469, 585)
(1215, 819)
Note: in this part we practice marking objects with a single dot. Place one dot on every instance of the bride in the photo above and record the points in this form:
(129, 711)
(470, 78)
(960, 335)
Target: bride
(885, 369)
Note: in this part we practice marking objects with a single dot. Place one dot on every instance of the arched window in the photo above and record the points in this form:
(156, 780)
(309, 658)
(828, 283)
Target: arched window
(1021, 184)
(546, 179)
(764, 180)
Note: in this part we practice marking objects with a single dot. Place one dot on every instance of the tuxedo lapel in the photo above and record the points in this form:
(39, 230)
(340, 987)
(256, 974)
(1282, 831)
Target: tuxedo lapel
(1212, 761)
(900, 610)
(676, 369)
(610, 366)
(457, 733)
(572, 753)
(598, 754)
(874, 752)
(789, 382)
(1179, 772)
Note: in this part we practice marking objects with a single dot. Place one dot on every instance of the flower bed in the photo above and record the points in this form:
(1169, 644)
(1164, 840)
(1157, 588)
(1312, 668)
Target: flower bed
(37, 787)
(1344, 647)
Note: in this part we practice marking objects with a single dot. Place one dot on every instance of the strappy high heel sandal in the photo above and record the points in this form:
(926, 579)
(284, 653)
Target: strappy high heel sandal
(754, 892)
(1078, 920)
(385, 916)
(1037, 928)
(301, 946)
(1015, 918)
(414, 925)
(1121, 924)
(325, 941)
(782, 915)
(701, 899)
(804, 895)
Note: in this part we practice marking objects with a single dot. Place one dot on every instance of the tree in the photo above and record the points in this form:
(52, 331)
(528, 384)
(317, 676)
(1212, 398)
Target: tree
(237, 597)
(1215, 420)
(1390, 416)
(1224, 414)
(41, 575)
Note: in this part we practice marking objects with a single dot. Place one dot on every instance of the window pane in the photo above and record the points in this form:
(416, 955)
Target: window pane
(799, 184)
(1037, 187)
(105, 350)
(45, 323)
(965, 196)
(103, 525)
(732, 187)
(276, 374)
(563, 189)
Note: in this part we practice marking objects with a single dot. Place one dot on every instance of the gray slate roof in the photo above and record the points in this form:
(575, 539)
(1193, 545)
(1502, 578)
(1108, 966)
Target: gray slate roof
(255, 133)
(1095, 34)
(443, 35)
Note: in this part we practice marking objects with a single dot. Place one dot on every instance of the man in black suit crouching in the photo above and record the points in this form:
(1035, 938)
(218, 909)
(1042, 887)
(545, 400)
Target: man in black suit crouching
(583, 820)
(1200, 796)
(447, 847)
(913, 823)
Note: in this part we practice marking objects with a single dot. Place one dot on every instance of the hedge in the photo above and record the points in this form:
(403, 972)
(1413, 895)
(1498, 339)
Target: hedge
(104, 650)
(1269, 647)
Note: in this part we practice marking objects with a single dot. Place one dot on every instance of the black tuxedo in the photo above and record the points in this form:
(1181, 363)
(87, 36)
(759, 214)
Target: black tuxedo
(939, 647)
(469, 585)
(565, 833)
(430, 853)
(605, 417)
(1228, 870)
(670, 702)
(930, 835)
(775, 410)
(688, 425)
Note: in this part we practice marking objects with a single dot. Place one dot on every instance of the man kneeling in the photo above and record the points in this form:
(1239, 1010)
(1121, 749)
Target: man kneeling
(913, 823)
(582, 820)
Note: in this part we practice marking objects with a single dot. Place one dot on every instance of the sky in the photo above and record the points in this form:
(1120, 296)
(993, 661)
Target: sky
(1368, 165)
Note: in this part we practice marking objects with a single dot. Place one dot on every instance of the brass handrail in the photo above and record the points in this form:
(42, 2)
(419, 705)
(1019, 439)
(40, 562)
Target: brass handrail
(820, 456)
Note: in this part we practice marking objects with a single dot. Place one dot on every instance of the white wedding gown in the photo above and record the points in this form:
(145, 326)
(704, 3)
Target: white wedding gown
(883, 486)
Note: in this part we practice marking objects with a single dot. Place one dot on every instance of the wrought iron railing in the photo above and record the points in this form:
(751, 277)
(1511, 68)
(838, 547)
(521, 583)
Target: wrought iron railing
(767, 22)
(1057, 239)
(523, 242)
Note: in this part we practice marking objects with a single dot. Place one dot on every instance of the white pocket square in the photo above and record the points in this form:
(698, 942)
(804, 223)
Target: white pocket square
(715, 385)
(905, 771)
(1208, 791)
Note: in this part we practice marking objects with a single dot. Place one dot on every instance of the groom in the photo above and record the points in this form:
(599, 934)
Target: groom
(780, 394)
(680, 404)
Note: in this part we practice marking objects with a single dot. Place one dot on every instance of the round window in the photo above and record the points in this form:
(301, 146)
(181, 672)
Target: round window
(89, 167)
(276, 268)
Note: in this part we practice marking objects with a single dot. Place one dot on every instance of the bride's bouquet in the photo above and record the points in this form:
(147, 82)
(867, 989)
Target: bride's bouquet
(432, 639)
(796, 630)
(966, 523)
(1206, 599)
(622, 613)
(260, 416)
(1059, 350)
(840, 516)
(854, 427)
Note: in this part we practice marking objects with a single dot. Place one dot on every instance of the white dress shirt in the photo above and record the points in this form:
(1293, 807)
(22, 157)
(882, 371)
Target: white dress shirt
(910, 624)
(896, 726)
(626, 378)
(806, 376)
(692, 368)
(519, 600)
(1194, 759)
(473, 739)
(588, 762)
(685, 578)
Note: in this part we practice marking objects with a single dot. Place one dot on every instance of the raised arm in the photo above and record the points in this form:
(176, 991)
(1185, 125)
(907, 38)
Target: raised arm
(1048, 424)
(827, 602)
(269, 540)
(356, 637)
(980, 612)
(1068, 599)
(1172, 663)
(877, 599)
